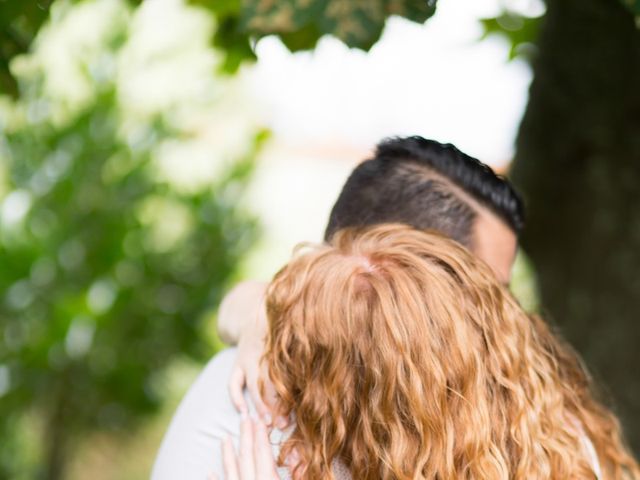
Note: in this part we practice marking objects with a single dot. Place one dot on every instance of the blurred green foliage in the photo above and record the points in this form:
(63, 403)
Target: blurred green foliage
(519, 30)
(298, 23)
(20, 22)
(108, 272)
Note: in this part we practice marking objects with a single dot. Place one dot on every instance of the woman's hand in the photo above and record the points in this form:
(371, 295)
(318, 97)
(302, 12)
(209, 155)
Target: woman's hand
(247, 369)
(255, 459)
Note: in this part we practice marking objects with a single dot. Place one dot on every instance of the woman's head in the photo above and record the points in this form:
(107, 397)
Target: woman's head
(403, 357)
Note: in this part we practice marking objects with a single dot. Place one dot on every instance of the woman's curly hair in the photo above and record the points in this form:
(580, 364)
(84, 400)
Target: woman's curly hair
(397, 353)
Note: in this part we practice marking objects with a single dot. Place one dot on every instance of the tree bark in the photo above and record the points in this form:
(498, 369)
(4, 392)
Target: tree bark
(578, 165)
(57, 432)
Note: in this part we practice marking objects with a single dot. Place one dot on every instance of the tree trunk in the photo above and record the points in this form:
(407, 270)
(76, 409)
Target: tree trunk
(578, 164)
(57, 432)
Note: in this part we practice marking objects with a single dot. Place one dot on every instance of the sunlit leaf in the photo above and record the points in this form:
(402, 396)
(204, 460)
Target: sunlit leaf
(301, 23)
(520, 31)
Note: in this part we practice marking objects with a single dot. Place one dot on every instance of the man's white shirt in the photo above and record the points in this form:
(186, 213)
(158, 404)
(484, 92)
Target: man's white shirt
(191, 448)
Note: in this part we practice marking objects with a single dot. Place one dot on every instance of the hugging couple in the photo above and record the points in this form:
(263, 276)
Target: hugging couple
(394, 350)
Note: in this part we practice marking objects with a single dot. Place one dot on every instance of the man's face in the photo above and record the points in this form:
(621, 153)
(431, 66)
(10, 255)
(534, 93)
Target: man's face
(495, 243)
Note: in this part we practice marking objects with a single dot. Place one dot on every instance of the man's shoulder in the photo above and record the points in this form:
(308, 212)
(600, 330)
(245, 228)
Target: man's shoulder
(205, 416)
(220, 364)
(209, 396)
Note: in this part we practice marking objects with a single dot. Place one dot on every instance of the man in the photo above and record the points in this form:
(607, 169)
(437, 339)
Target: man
(420, 182)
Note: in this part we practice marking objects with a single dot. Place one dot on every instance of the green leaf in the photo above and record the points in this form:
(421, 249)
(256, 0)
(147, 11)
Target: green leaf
(358, 23)
(415, 10)
(220, 8)
(305, 38)
(301, 23)
(519, 30)
(234, 44)
(264, 17)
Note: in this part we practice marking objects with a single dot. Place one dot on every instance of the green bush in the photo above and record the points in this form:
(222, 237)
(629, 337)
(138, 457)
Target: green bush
(107, 270)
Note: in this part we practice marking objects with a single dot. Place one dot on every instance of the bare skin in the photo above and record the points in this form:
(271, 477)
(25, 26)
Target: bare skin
(242, 317)
(254, 460)
(495, 243)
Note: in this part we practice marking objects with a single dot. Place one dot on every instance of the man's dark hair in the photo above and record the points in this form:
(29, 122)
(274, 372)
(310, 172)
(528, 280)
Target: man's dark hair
(426, 184)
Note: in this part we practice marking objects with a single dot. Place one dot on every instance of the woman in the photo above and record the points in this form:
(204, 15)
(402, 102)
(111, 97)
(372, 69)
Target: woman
(397, 355)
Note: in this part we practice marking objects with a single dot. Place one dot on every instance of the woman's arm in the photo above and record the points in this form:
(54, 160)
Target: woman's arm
(239, 310)
(242, 319)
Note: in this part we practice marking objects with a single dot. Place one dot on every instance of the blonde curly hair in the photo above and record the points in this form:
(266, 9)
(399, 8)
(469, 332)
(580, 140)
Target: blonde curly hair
(397, 353)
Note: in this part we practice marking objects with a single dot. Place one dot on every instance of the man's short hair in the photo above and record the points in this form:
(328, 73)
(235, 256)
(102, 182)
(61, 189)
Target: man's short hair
(425, 184)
